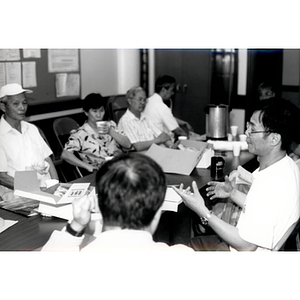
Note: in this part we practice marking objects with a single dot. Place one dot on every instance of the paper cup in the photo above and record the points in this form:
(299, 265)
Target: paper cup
(51, 182)
(102, 127)
(236, 148)
(234, 130)
(182, 137)
(243, 137)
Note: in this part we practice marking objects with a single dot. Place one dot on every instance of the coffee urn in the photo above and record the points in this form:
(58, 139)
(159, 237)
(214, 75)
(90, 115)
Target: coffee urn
(216, 121)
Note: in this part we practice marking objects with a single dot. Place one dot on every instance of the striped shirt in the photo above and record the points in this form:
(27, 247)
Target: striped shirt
(138, 130)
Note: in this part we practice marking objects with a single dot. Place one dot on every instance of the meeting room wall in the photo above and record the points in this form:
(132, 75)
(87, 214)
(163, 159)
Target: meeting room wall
(109, 71)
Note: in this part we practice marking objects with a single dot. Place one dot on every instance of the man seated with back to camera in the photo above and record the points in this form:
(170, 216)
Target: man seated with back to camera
(21, 145)
(130, 192)
(139, 128)
(93, 147)
(272, 204)
(160, 113)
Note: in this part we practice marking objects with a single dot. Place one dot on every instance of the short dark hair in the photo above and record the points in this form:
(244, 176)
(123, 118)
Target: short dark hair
(131, 188)
(280, 116)
(266, 85)
(164, 81)
(94, 101)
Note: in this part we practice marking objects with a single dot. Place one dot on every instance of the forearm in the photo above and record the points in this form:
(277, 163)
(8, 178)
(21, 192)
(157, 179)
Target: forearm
(179, 131)
(122, 140)
(141, 146)
(70, 158)
(6, 180)
(224, 230)
(52, 169)
(145, 145)
(238, 197)
(230, 234)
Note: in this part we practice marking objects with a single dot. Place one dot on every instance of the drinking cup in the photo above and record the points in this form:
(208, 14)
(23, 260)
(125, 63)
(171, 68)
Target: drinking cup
(243, 137)
(102, 127)
(182, 137)
(234, 130)
(236, 148)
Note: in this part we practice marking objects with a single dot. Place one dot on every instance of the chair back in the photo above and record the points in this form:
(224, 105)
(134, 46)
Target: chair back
(290, 232)
(62, 128)
(117, 106)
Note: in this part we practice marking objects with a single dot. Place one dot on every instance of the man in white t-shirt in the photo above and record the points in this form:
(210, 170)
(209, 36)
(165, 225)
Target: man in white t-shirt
(160, 113)
(272, 204)
(130, 192)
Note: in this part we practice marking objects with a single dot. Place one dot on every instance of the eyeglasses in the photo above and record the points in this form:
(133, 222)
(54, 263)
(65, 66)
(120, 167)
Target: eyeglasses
(141, 100)
(250, 131)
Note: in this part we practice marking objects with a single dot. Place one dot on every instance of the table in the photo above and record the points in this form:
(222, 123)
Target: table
(33, 232)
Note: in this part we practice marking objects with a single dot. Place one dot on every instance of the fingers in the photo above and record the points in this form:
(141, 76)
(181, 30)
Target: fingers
(212, 183)
(195, 188)
(82, 203)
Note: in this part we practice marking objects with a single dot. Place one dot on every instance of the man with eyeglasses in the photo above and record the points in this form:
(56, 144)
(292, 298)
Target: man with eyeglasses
(139, 128)
(272, 204)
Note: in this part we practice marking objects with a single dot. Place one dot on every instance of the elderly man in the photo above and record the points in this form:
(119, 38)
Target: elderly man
(272, 203)
(160, 113)
(139, 128)
(130, 189)
(21, 145)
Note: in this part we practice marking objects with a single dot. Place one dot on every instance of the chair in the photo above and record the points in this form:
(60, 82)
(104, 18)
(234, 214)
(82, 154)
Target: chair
(117, 106)
(62, 128)
(292, 232)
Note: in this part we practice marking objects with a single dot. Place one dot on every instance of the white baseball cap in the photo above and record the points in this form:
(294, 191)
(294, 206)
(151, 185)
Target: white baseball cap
(12, 89)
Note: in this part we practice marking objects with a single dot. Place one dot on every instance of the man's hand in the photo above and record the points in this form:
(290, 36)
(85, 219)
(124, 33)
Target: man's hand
(219, 189)
(193, 200)
(162, 138)
(82, 208)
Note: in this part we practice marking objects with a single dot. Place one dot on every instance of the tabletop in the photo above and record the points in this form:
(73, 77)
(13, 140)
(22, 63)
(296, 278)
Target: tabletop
(31, 233)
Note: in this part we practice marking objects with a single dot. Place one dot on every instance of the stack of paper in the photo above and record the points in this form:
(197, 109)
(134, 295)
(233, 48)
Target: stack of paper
(172, 200)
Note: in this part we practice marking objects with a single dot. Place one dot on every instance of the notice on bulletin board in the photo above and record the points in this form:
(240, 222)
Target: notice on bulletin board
(29, 74)
(63, 60)
(9, 54)
(67, 84)
(13, 72)
(2, 75)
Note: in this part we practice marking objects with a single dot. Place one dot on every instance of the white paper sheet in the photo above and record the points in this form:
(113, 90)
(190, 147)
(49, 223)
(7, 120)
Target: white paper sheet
(7, 224)
(13, 72)
(63, 60)
(2, 74)
(29, 74)
(27, 53)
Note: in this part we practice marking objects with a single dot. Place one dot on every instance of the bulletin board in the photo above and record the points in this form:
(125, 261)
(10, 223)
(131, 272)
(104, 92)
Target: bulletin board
(46, 90)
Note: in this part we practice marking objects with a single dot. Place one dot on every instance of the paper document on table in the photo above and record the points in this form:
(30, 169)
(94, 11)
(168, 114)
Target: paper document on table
(244, 176)
(172, 200)
(7, 224)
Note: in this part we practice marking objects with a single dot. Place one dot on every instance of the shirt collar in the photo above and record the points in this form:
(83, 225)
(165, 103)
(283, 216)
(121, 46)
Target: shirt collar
(6, 127)
(133, 117)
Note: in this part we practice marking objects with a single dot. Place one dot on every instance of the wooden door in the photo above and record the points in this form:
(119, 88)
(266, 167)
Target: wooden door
(192, 71)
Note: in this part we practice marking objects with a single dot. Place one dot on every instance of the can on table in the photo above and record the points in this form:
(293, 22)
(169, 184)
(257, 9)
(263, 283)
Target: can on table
(217, 166)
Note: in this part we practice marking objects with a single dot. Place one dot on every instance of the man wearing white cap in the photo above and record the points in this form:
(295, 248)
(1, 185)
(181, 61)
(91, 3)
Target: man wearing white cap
(21, 145)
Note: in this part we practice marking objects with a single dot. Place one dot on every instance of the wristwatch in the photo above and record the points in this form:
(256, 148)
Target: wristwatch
(204, 220)
(70, 230)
